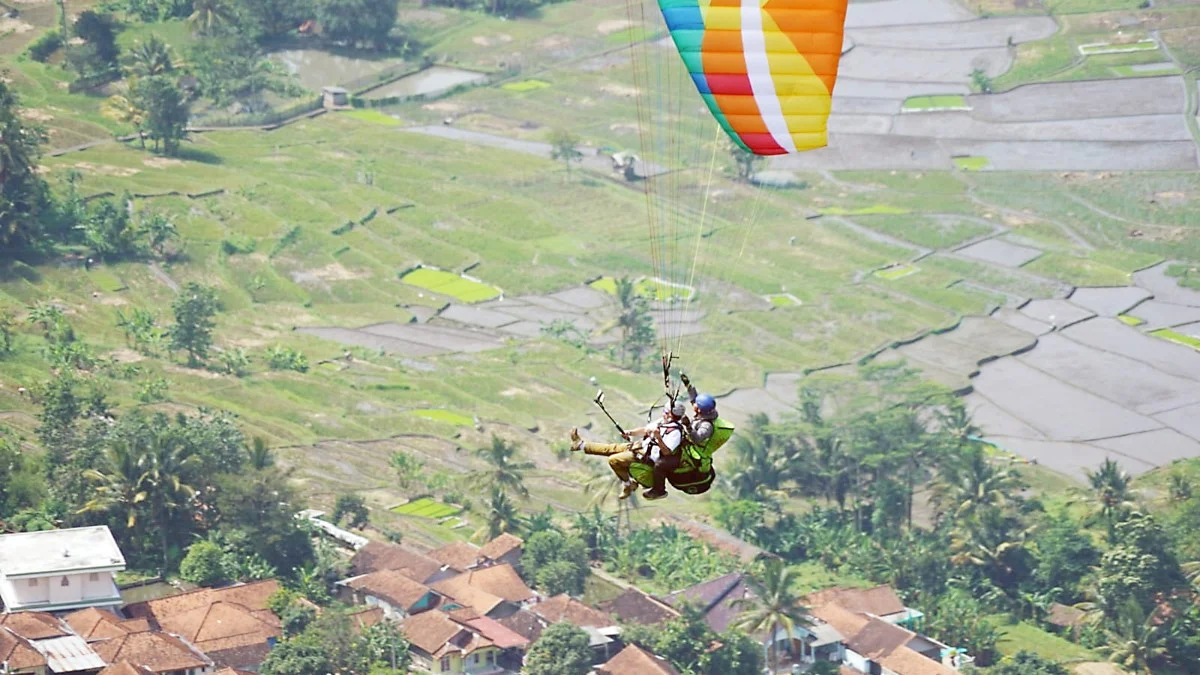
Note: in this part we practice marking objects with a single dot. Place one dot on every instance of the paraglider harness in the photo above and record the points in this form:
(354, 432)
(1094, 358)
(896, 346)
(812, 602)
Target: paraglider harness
(695, 474)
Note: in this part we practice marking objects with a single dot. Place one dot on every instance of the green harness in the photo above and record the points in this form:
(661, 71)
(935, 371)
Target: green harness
(695, 473)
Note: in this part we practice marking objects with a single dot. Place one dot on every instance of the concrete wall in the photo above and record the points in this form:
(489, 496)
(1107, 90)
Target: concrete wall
(61, 589)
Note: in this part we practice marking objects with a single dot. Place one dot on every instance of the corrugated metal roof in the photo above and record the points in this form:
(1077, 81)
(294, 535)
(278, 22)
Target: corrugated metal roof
(68, 653)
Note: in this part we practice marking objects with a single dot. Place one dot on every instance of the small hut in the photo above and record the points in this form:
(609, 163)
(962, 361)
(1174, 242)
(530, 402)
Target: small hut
(335, 97)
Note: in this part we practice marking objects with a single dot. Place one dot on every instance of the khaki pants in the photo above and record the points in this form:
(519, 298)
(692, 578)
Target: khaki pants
(620, 456)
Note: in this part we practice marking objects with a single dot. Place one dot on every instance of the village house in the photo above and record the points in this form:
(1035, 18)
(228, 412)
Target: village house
(865, 629)
(459, 556)
(376, 556)
(503, 550)
(461, 642)
(633, 606)
(391, 591)
(38, 643)
(603, 632)
(495, 592)
(59, 570)
(231, 625)
(634, 660)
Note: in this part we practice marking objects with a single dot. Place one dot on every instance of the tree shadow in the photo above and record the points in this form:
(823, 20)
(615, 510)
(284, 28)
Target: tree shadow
(194, 154)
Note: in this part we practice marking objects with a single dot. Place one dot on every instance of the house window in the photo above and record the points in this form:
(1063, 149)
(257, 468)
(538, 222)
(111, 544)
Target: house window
(476, 658)
(65, 582)
(33, 583)
(491, 658)
(445, 664)
(95, 576)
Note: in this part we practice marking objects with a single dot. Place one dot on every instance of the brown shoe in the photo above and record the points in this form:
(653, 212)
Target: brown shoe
(630, 488)
(576, 441)
(651, 495)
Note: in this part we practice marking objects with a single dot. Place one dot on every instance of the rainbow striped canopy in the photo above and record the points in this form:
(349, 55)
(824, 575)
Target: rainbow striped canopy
(766, 68)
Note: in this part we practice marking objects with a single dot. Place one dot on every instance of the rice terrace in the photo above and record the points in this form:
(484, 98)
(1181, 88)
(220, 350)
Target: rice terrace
(428, 252)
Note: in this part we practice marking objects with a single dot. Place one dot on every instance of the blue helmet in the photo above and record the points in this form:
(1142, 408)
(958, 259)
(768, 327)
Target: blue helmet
(706, 403)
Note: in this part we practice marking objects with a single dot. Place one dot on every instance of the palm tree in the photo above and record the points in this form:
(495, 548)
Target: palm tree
(260, 455)
(120, 486)
(1111, 496)
(1135, 639)
(504, 473)
(122, 109)
(166, 464)
(971, 483)
(771, 606)
(502, 517)
(601, 485)
(150, 58)
(207, 14)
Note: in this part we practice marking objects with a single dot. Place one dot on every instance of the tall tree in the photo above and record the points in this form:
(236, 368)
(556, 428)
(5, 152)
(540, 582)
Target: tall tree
(24, 196)
(357, 21)
(1136, 639)
(564, 146)
(149, 58)
(502, 516)
(562, 649)
(166, 111)
(100, 52)
(194, 311)
(1111, 494)
(971, 483)
(209, 15)
(773, 606)
(504, 472)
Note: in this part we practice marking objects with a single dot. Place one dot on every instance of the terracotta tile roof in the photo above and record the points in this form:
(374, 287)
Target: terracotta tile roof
(157, 652)
(460, 555)
(391, 585)
(497, 633)
(524, 623)
(880, 600)
(232, 671)
(94, 624)
(845, 622)
(18, 653)
(34, 625)
(847, 670)
(231, 625)
(564, 608)
(125, 668)
(377, 556)
(502, 581)
(252, 595)
(878, 638)
(366, 617)
(634, 660)
(501, 546)
(634, 606)
(460, 590)
(905, 661)
(431, 631)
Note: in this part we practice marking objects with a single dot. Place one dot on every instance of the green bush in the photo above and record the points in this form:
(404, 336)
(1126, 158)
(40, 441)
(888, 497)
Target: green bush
(286, 358)
(238, 243)
(41, 49)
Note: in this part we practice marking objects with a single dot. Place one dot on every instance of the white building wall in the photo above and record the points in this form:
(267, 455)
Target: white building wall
(52, 589)
(857, 661)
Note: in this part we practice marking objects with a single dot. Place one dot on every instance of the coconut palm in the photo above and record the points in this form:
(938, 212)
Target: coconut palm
(167, 464)
(504, 472)
(150, 58)
(771, 606)
(1135, 639)
(502, 517)
(971, 482)
(208, 14)
(603, 484)
(119, 486)
(1111, 495)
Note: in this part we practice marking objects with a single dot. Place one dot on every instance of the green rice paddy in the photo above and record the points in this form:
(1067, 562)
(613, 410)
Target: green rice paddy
(971, 163)
(373, 116)
(448, 283)
(1148, 44)
(1130, 320)
(783, 300)
(427, 508)
(1178, 338)
(935, 102)
(525, 85)
(896, 272)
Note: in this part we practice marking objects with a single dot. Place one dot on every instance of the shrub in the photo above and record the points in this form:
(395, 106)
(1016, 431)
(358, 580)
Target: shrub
(41, 48)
